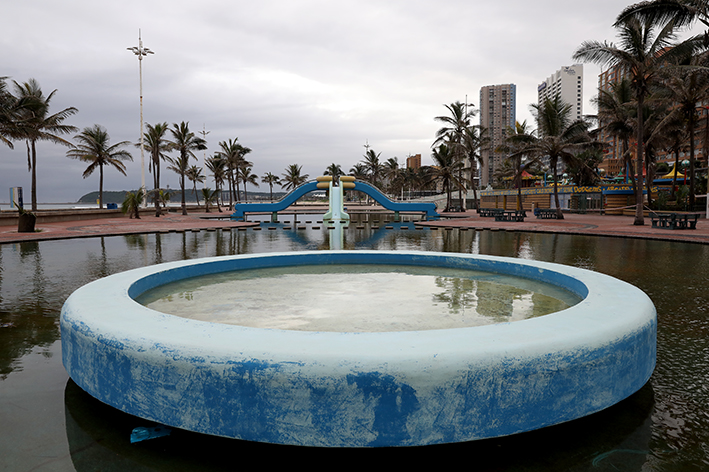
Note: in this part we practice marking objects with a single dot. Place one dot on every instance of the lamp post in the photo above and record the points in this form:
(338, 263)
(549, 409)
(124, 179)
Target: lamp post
(140, 51)
(204, 134)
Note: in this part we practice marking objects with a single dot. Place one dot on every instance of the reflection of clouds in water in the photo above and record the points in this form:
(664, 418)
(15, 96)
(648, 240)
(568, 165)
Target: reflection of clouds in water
(357, 298)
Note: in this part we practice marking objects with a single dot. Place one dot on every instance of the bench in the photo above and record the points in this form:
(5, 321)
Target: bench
(489, 212)
(545, 213)
(514, 215)
(675, 220)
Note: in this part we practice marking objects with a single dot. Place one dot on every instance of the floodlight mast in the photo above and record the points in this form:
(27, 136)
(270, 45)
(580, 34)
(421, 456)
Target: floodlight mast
(140, 51)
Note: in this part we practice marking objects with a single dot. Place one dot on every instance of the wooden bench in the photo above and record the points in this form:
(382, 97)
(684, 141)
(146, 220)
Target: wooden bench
(675, 220)
(514, 215)
(490, 212)
(545, 213)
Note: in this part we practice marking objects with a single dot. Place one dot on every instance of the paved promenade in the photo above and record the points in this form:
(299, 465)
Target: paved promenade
(588, 224)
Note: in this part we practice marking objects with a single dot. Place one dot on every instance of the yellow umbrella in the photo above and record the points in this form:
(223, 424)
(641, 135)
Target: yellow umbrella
(671, 175)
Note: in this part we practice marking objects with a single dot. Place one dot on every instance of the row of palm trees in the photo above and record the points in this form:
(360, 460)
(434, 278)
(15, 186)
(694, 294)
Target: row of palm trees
(664, 83)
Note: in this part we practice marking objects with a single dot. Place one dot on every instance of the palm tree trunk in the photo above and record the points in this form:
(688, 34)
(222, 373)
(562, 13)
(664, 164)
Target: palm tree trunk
(559, 213)
(100, 187)
(156, 187)
(691, 162)
(182, 188)
(639, 216)
(34, 176)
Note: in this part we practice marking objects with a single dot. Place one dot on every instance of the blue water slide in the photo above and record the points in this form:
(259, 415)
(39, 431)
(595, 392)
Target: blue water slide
(425, 207)
(241, 208)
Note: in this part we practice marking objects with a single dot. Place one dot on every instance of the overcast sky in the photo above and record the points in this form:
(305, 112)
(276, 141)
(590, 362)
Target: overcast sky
(297, 81)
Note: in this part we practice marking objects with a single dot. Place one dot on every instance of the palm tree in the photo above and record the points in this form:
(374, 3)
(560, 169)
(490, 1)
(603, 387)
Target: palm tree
(210, 196)
(475, 140)
(248, 178)
(521, 156)
(359, 172)
(194, 175)
(452, 134)
(445, 170)
(157, 145)
(234, 155)
(132, 202)
(335, 170)
(558, 138)
(270, 179)
(373, 166)
(94, 147)
(686, 87)
(616, 116)
(390, 172)
(217, 166)
(642, 53)
(292, 177)
(185, 142)
(38, 125)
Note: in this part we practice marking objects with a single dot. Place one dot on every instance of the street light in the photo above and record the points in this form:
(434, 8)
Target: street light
(140, 51)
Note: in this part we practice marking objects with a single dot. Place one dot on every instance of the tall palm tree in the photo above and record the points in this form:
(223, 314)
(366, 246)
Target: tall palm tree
(559, 138)
(37, 124)
(157, 145)
(359, 172)
(248, 178)
(475, 140)
(234, 154)
(643, 50)
(270, 179)
(521, 155)
(194, 174)
(185, 142)
(94, 147)
(452, 134)
(445, 170)
(217, 166)
(373, 165)
(616, 116)
(293, 178)
(686, 87)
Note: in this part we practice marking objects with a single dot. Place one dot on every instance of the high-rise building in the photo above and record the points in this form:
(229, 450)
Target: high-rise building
(498, 111)
(413, 162)
(567, 82)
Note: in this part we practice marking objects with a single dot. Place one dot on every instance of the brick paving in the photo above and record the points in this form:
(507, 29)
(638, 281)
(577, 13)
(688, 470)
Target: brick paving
(587, 224)
(119, 226)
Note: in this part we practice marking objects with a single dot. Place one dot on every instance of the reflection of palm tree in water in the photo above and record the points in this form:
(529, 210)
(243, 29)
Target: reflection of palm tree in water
(488, 299)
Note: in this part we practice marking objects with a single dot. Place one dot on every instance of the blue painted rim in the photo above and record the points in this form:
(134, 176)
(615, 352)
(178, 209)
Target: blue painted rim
(359, 389)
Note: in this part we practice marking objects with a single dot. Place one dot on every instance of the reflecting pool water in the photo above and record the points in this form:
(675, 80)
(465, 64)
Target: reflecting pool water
(50, 424)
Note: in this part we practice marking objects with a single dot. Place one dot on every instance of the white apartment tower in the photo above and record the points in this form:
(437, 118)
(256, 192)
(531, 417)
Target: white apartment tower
(567, 82)
(498, 111)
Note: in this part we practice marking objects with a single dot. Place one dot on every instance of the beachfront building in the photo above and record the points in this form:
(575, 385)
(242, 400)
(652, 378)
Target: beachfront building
(498, 112)
(567, 83)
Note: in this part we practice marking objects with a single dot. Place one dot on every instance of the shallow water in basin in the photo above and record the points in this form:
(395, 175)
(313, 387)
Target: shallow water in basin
(358, 298)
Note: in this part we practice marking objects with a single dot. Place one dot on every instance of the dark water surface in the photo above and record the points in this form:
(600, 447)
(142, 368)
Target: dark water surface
(48, 423)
